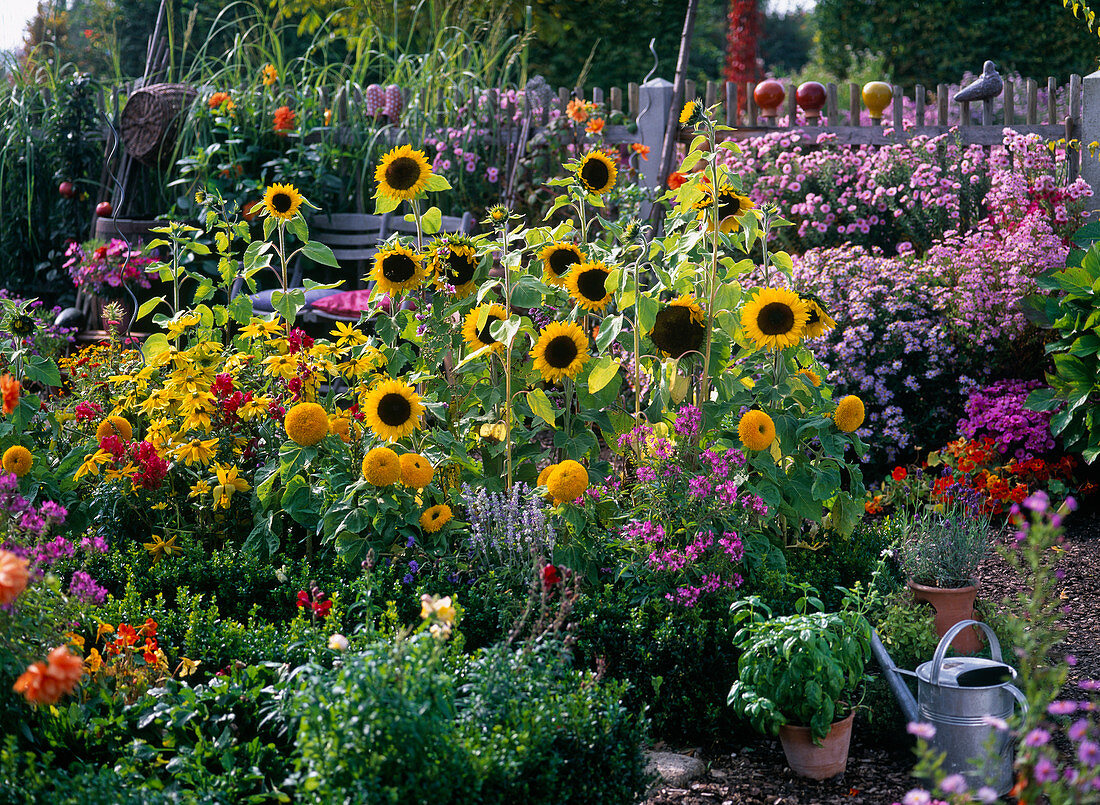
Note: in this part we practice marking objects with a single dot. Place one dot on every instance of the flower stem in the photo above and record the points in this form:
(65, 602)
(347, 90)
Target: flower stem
(712, 274)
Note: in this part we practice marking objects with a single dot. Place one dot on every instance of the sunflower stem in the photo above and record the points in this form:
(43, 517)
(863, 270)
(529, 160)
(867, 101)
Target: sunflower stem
(712, 275)
(507, 352)
(637, 341)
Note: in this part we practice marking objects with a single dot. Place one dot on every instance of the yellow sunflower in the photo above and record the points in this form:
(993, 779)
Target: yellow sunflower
(17, 460)
(545, 474)
(454, 263)
(679, 327)
(813, 377)
(691, 114)
(478, 338)
(397, 269)
(849, 413)
(381, 467)
(306, 424)
(403, 173)
(597, 172)
(586, 285)
(818, 322)
(393, 410)
(756, 430)
(497, 215)
(114, 426)
(557, 260)
(567, 482)
(731, 205)
(774, 318)
(561, 351)
(435, 518)
(282, 201)
(416, 471)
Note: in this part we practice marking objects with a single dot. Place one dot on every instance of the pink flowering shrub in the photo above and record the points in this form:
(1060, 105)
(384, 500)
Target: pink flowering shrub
(998, 411)
(98, 267)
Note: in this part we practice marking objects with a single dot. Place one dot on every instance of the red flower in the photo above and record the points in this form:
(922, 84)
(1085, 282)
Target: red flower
(550, 576)
(127, 634)
(284, 119)
(675, 180)
(303, 598)
(150, 629)
(321, 608)
(899, 474)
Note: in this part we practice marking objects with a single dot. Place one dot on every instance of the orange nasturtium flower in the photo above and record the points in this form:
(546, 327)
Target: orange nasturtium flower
(9, 390)
(641, 150)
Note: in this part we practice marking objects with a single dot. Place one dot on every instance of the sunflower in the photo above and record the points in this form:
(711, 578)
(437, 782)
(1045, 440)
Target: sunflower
(692, 113)
(478, 338)
(545, 474)
(21, 325)
(597, 172)
(416, 471)
(397, 269)
(381, 467)
(756, 430)
(731, 205)
(849, 413)
(393, 410)
(557, 259)
(561, 351)
(774, 318)
(435, 518)
(567, 482)
(454, 263)
(282, 201)
(819, 322)
(679, 327)
(306, 424)
(813, 377)
(114, 426)
(403, 173)
(586, 285)
(17, 460)
(497, 215)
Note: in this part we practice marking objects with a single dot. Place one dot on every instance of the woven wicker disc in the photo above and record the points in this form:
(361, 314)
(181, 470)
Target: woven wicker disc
(149, 121)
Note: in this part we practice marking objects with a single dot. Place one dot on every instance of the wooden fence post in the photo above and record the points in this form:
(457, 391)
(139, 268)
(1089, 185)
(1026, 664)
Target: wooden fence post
(654, 107)
(1090, 133)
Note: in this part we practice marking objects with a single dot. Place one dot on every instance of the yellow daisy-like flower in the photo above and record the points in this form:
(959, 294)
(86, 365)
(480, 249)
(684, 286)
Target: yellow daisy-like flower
(196, 451)
(382, 467)
(258, 328)
(270, 75)
(228, 483)
(557, 260)
(774, 318)
(818, 322)
(849, 413)
(679, 327)
(416, 471)
(199, 488)
(92, 463)
(597, 172)
(481, 337)
(403, 173)
(561, 351)
(160, 547)
(567, 482)
(586, 285)
(691, 113)
(306, 424)
(756, 430)
(454, 263)
(348, 334)
(17, 460)
(114, 426)
(284, 366)
(282, 201)
(393, 410)
(435, 518)
(397, 269)
(731, 205)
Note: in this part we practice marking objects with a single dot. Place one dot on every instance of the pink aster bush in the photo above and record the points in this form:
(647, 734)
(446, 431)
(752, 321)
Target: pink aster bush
(998, 411)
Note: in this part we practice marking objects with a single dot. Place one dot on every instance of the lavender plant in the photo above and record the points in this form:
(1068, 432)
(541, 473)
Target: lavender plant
(507, 529)
(945, 544)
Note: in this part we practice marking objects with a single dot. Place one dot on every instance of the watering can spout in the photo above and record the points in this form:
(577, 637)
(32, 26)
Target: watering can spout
(904, 696)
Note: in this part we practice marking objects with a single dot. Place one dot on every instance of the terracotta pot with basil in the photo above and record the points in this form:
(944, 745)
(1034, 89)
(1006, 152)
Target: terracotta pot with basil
(800, 677)
(940, 550)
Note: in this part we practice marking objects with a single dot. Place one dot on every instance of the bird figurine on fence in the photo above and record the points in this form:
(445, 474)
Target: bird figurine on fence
(987, 86)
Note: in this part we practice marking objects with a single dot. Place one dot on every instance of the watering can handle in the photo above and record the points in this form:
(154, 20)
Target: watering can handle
(1019, 696)
(952, 633)
(1007, 742)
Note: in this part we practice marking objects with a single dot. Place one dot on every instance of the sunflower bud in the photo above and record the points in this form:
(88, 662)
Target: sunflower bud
(692, 114)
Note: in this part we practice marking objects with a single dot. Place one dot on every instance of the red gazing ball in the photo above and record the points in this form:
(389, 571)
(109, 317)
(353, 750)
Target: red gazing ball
(810, 96)
(769, 95)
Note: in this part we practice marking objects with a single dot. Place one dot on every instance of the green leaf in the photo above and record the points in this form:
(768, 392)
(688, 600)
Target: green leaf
(288, 304)
(42, 370)
(156, 344)
(240, 308)
(437, 183)
(384, 204)
(541, 407)
(149, 305)
(297, 226)
(601, 374)
(320, 253)
(432, 221)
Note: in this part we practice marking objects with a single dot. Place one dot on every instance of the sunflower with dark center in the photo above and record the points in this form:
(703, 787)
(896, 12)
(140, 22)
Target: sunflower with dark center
(774, 318)
(586, 284)
(403, 173)
(731, 205)
(557, 260)
(392, 410)
(454, 263)
(281, 201)
(597, 172)
(679, 327)
(560, 352)
(397, 269)
(21, 325)
(478, 337)
(818, 322)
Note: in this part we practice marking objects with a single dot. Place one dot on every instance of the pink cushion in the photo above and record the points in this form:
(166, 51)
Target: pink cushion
(345, 303)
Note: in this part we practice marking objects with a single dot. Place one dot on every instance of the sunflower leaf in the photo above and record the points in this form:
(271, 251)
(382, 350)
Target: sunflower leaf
(384, 204)
(432, 220)
(437, 183)
(602, 373)
(320, 253)
(541, 407)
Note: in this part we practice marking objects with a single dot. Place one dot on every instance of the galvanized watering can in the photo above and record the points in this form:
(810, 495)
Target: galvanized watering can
(956, 696)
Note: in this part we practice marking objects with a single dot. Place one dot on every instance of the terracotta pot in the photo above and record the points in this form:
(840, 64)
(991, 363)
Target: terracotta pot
(952, 605)
(806, 759)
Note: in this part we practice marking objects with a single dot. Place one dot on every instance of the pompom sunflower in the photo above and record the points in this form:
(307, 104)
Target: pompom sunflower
(381, 467)
(403, 173)
(731, 205)
(306, 424)
(545, 474)
(282, 201)
(435, 518)
(597, 172)
(849, 413)
(416, 471)
(756, 430)
(567, 482)
(557, 260)
(586, 285)
(397, 269)
(818, 322)
(561, 351)
(114, 426)
(393, 410)
(17, 460)
(454, 263)
(679, 327)
(774, 318)
(481, 337)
